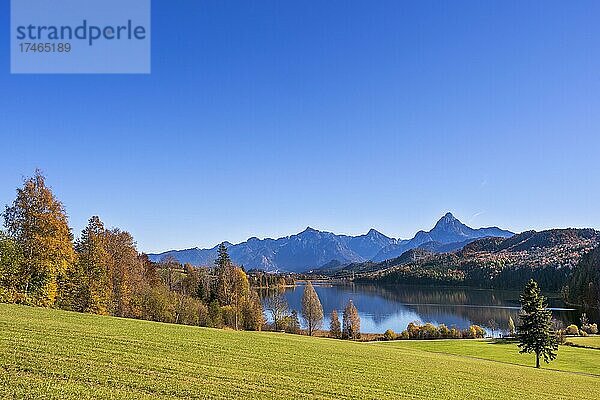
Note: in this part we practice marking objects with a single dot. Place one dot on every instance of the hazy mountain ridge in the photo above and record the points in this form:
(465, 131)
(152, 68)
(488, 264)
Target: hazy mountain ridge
(336, 268)
(308, 249)
(312, 249)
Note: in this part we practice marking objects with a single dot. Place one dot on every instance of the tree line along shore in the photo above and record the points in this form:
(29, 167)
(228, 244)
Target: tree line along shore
(102, 272)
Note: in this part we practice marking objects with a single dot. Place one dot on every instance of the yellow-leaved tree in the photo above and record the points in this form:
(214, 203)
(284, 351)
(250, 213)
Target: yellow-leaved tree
(38, 224)
(126, 273)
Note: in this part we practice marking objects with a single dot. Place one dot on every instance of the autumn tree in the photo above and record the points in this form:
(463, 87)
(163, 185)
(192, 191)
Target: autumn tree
(493, 325)
(335, 329)
(169, 267)
(188, 285)
(239, 294)
(150, 274)
(87, 286)
(511, 326)
(583, 320)
(10, 262)
(156, 304)
(278, 307)
(312, 311)
(126, 273)
(535, 327)
(252, 312)
(38, 224)
(351, 322)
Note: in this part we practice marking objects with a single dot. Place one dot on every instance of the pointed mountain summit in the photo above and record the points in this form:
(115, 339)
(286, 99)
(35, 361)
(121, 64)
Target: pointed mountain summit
(448, 221)
(374, 233)
(448, 217)
(448, 234)
(309, 230)
(449, 229)
(368, 245)
(312, 248)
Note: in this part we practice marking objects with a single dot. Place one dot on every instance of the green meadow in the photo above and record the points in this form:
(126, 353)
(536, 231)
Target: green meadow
(569, 359)
(56, 354)
(592, 342)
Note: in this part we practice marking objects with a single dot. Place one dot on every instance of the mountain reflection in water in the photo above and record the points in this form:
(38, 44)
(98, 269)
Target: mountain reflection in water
(394, 307)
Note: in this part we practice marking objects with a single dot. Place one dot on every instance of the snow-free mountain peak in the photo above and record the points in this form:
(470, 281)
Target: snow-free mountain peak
(448, 234)
(310, 230)
(312, 248)
(448, 217)
(374, 233)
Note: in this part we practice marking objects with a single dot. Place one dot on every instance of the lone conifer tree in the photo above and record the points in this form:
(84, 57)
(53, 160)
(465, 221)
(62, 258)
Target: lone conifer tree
(224, 271)
(535, 325)
(312, 311)
(222, 256)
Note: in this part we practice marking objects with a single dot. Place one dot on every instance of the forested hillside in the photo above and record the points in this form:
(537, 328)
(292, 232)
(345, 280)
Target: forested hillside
(583, 287)
(549, 256)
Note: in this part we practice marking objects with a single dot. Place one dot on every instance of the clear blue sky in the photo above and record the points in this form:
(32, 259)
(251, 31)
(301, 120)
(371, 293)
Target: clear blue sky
(263, 117)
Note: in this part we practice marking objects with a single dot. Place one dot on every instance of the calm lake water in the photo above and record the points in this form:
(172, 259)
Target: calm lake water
(393, 307)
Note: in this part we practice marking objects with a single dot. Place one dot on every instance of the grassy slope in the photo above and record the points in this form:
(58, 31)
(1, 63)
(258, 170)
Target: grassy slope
(55, 354)
(569, 358)
(589, 341)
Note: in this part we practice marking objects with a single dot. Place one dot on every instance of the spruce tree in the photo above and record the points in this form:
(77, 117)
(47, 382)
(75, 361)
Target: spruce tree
(222, 256)
(535, 325)
(224, 271)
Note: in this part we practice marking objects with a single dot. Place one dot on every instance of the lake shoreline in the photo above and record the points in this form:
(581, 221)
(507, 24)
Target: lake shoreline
(384, 306)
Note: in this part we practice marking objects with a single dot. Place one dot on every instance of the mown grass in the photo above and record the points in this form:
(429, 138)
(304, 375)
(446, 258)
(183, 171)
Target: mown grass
(56, 354)
(592, 342)
(571, 359)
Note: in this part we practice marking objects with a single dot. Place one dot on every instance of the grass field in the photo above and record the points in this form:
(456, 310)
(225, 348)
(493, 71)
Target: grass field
(56, 354)
(592, 342)
(571, 359)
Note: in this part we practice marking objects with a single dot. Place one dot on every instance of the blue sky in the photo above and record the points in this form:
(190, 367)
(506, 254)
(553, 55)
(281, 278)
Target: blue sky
(263, 117)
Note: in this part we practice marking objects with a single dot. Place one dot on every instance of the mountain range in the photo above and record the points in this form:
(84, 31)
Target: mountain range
(312, 249)
(550, 257)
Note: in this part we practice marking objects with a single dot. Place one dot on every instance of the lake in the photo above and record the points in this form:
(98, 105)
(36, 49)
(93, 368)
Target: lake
(393, 307)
